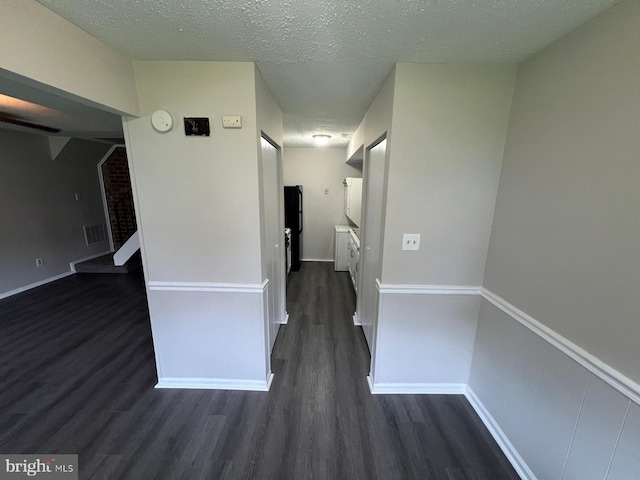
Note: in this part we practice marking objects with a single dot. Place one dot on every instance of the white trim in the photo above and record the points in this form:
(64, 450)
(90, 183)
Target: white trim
(429, 289)
(286, 319)
(317, 260)
(72, 270)
(72, 265)
(209, 287)
(416, 388)
(499, 436)
(105, 205)
(614, 378)
(126, 250)
(617, 380)
(356, 322)
(15, 291)
(216, 383)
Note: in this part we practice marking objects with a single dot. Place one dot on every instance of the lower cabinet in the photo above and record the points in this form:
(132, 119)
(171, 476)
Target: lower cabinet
(353, 259)
(341, 255)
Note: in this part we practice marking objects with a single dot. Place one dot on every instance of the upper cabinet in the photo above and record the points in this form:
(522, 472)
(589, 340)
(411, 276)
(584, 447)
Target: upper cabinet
(355, 149)
(353, 199)
(355, 160)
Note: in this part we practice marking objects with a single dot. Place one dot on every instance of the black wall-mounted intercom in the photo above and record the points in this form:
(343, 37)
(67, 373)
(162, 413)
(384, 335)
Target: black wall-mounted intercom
(196, 126)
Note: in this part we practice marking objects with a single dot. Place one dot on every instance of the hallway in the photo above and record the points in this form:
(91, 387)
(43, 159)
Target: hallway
(77, 371)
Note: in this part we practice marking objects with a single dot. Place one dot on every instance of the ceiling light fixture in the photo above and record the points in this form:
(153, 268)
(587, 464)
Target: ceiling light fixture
(321, 139)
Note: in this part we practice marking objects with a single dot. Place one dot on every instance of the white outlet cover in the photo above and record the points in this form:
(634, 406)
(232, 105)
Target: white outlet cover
(232, 121)
(411, 241)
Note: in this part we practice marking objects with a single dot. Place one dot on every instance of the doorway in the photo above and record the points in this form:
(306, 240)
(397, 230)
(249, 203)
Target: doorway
(273, 244)
(374, 188)
(114, 176)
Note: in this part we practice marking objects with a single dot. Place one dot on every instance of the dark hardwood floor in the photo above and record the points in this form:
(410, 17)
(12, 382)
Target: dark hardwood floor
(77, 375)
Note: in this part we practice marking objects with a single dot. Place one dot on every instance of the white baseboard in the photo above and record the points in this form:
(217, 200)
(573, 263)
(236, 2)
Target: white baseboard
(286, 319)
(15, 291)
(216, 384)
(317, 260)
(72, 265)
(355, 319)
(416, 388)
(501, 439)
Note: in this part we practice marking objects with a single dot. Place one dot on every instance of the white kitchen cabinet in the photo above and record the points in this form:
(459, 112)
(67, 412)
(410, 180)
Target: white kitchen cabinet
(353, 259)
(342, 248)
(353, 199)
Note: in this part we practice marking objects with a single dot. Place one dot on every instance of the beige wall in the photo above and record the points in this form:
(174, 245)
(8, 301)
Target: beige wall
(449, 129)
(317, 169)
(41, 48)
(565, 246)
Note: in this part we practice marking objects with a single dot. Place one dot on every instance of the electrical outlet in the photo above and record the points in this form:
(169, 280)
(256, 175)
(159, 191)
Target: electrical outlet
(232, 121)
(38, 262)
(411, 241)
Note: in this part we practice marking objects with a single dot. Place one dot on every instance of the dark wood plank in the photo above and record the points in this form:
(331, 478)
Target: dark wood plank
(77, 375)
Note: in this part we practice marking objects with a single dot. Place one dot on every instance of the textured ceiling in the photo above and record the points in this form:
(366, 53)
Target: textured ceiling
(324, 60)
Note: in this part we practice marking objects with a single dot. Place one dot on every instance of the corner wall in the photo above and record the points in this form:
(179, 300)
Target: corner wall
(449, 129)
(197, 201)
(556, 365)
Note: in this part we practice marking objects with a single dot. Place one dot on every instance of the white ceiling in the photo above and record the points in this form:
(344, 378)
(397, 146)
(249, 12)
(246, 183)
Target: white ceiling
(324, 60)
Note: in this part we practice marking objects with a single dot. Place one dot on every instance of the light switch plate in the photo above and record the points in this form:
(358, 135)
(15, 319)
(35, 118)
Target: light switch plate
(232, 121)
(411, 241)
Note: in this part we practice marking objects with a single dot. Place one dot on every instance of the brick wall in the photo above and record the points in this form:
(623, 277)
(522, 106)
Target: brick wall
(115, 171)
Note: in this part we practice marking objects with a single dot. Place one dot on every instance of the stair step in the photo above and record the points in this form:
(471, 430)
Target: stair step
(104, 264)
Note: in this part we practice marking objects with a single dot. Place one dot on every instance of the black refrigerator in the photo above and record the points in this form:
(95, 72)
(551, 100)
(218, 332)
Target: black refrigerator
(293, 220)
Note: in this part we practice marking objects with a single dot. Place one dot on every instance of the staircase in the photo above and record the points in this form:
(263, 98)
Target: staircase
(104, 264)
(125, 260)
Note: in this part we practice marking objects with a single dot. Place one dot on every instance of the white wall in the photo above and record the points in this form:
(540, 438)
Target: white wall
(41, 48)
(449, 129)
(449, 124)
(317, 169)
(555, 418)
(374, 128)
(565, 247)
(268, 113)
(39, 215)
(197, 201)
(556, 365)
(273, 252)
(197, 197)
